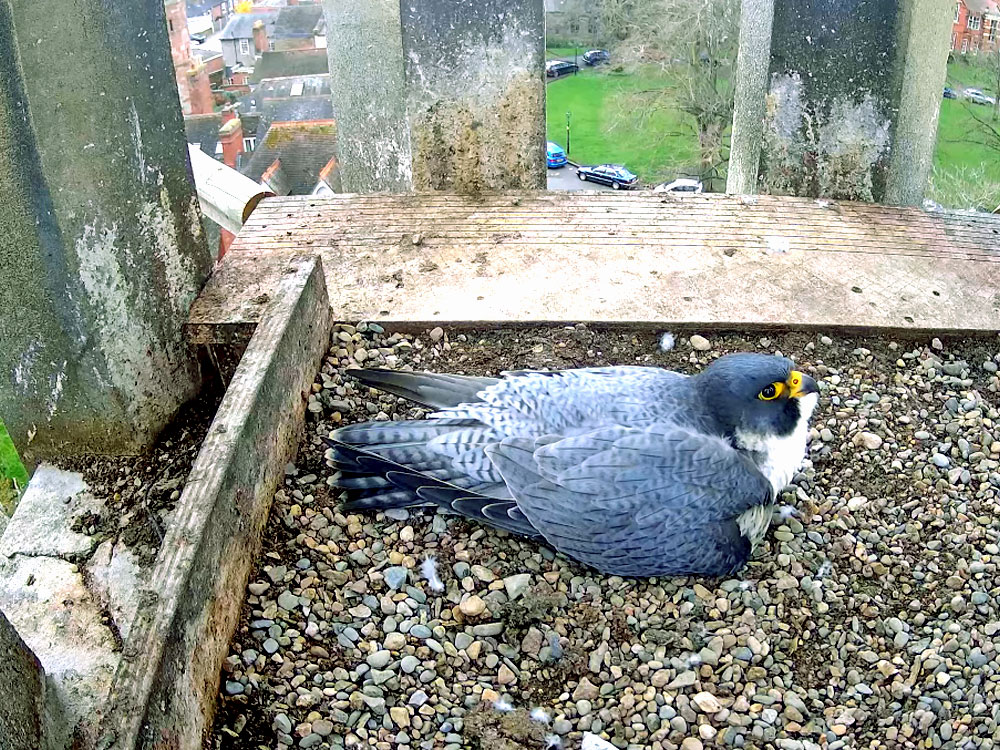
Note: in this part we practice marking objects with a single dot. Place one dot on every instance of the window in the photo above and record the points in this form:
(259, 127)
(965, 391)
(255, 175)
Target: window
(954, 41)
(965, 46)
(250, 143)
(975, 46)
(992, 34)
(975, 22)
(244, 46)
(958, 12)
(170, 23)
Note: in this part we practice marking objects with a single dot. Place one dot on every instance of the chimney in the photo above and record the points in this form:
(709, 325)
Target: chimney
(231, 138)
(260, 37)
(201, 90)
(229, 112)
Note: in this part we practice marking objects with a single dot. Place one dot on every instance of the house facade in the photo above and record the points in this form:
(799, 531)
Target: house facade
(976, 27)
(246, 36)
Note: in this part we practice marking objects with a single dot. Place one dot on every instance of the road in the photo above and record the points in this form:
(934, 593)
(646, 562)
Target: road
(565, 178)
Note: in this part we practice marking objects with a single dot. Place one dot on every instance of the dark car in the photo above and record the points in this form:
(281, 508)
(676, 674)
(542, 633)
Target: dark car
(596, 56)
(949, 93)
(558, 68)
(198, 38)
(614, 175)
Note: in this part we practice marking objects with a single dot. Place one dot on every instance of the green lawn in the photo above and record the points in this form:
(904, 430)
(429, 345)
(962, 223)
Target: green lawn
(966, 173)
(664, 147)
(12, 473)
(600, 131)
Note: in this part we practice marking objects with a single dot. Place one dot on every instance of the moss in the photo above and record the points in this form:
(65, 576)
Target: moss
(535, 605)
(286, 132)
(488, 729)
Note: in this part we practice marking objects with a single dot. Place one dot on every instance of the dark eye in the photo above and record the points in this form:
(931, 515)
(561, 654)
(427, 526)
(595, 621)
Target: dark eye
(769, 392)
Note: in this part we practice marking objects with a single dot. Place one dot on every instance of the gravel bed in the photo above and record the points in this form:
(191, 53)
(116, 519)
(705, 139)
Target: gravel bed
(869, 618)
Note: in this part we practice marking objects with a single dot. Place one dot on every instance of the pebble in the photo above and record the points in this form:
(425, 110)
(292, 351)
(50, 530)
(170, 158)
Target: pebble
(409, 664)
(516, 585)
(287, 600)
(234, 687)
(472, 606)
(395, 577)
(700, 343)
(379, 659)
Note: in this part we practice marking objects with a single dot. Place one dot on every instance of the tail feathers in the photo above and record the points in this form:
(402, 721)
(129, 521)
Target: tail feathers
(433, 390)
(396, 485)
(398, 433)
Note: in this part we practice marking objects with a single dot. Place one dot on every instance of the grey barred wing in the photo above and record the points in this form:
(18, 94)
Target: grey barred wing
(657, 500)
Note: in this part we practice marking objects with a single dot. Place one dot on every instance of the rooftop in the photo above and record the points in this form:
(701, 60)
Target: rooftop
(304, 149)
(240, 25)
(299, 21)
(290, 63)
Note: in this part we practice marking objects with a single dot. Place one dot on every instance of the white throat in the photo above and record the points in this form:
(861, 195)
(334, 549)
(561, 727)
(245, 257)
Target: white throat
(778, 458)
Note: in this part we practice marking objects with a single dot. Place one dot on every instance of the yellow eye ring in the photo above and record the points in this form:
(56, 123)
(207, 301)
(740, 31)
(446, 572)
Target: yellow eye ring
(771, 391)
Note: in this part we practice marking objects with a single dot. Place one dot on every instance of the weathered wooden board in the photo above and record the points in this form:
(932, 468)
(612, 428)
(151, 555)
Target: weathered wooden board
(708, 259)
(165, 689)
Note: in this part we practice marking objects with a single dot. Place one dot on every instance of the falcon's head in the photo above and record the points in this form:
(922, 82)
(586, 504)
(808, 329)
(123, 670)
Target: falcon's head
(759, 395)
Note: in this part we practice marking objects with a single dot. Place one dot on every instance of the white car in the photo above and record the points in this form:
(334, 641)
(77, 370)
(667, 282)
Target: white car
(976, 96)
(683, 185)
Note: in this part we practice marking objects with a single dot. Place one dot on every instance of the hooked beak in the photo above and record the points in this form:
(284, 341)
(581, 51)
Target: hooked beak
(799, 385)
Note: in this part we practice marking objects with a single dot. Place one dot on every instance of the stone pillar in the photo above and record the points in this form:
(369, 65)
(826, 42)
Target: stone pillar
(845, 96)
(924, 42)
(365, 51)
(22, 683)
(102, 245)
(454, 100)
(756, 19)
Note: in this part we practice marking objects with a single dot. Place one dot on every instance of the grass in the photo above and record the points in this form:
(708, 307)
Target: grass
(601, 132)
(659, 148)
(13, 476)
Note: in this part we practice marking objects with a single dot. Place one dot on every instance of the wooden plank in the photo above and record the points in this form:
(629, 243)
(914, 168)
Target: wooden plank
(165, 689)
(604, 257)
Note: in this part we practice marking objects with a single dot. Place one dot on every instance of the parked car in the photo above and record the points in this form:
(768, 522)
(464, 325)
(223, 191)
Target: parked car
(558, 68)
(555, 157)
(614, 175)
(976, 96)
(949, 93)
(682, 185)
(198, 38)
(596, 56)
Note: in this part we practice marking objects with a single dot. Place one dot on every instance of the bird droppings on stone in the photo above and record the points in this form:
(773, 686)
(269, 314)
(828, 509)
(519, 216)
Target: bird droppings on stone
(667, 342)
(909, 576)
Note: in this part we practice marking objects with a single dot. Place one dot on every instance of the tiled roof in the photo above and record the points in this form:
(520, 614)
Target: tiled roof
(240, 25)
(303, 149)
(299, 21)
(291, 63)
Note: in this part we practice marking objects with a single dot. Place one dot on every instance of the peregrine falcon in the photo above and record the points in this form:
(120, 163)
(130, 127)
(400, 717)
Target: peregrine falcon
(635, 471)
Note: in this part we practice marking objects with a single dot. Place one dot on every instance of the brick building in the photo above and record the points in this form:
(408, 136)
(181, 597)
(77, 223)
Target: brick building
(976, 27)
(193, 86)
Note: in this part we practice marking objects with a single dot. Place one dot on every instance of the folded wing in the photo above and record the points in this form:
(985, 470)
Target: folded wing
(658, 500)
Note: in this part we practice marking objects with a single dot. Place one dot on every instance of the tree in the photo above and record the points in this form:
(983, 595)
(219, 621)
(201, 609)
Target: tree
(693, 43)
